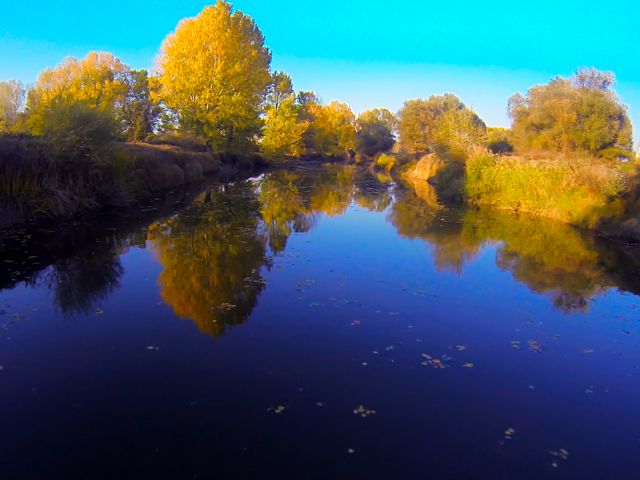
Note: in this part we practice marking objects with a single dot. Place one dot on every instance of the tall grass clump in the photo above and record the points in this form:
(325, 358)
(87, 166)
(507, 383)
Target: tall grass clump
(582, 192)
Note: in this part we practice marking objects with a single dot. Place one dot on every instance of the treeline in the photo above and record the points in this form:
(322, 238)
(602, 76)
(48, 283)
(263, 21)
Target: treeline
(213, 84)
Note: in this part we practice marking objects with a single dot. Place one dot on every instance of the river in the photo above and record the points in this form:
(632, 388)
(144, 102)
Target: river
(322, 322)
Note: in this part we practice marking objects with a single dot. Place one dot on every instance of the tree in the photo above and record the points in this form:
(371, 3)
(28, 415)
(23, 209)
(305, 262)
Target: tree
(577, 116)
(214, 72)
(283, 129)
(12, 94)
(332, 129)
(375, 131)
(279, 89)
(498, 140)
(139, 114)
(441, 123)
(95, 83)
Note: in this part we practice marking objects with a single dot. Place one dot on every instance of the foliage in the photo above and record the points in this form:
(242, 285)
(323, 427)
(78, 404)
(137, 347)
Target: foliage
(498, 140)
(582, 193)
(139, 113)
(332, 130)
(441, 124)
(579, 116)
(375, 131)
(12, 95)
(214, 72)
(95, 83)
(385, 161)
(283, 130)
(76, 132)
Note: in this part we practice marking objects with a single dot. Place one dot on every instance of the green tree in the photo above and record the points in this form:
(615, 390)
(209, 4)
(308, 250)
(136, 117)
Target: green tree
(139, 113)
(441, 124)
(12, 95)
(214, 72)
(577, 116)
(375, 132)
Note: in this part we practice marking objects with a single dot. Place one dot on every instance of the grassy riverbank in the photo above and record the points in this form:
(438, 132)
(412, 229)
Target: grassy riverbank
(593, 194)
(37, 183)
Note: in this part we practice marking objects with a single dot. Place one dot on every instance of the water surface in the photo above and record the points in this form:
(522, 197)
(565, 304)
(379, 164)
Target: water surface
(318, 323)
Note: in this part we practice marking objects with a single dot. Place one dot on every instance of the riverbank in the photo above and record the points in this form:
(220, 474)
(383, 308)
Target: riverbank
(36, 185)
(596, 195)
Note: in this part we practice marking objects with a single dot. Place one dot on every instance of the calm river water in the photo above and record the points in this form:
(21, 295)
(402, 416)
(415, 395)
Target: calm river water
(326, 323)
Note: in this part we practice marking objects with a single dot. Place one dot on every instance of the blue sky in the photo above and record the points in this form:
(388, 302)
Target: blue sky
(367, 53)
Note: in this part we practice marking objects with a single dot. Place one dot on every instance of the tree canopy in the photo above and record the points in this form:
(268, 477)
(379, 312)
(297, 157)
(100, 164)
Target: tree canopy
(375, 131)
(441, 123)
(581, 115)
(12, 95)
(214, 72)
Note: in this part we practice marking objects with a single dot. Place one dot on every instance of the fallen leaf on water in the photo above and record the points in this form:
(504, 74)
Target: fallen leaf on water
(535, 346)
(363, 412)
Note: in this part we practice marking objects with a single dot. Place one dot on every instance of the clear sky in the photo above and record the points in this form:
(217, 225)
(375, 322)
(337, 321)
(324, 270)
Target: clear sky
(366, 52)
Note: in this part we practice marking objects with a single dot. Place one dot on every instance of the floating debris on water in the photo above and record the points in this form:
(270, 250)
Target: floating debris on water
(428, 360)
(363, 412)
(560, 455)
(355, 323)
(460, 348)
(153, 347)
(350, 451)
(99, 311)
(509, 433)
(321, 404)
(277, 409)
(535, 346)
(468, 365)
(515, 344)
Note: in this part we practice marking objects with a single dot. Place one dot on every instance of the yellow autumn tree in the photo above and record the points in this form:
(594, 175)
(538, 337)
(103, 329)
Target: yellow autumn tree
(283, 127)
(214, 72)
(96, 83)
(333, 130)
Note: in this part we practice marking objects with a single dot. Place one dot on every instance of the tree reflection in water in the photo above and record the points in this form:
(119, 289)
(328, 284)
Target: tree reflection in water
(214, 250)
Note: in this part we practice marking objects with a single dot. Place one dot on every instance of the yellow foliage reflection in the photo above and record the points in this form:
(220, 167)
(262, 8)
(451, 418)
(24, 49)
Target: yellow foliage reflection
(212, 255)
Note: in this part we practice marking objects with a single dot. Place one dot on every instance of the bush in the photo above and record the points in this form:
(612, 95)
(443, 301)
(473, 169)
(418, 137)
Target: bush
(76, 132)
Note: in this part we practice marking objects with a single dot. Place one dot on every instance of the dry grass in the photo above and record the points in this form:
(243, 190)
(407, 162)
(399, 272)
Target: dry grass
(582, 192)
